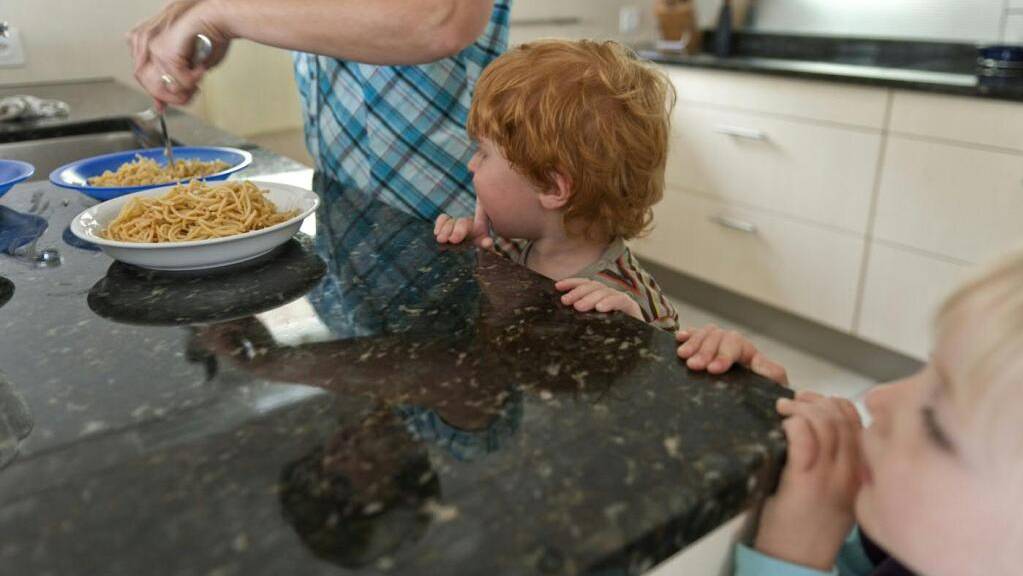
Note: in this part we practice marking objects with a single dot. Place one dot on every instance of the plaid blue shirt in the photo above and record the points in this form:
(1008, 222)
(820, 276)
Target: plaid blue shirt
(399, 129)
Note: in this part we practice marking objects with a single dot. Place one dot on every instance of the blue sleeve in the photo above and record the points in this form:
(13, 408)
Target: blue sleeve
(851, 561)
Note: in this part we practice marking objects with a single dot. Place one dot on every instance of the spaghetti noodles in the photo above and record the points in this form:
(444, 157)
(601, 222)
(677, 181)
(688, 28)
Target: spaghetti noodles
(196, 211)
(145, 171)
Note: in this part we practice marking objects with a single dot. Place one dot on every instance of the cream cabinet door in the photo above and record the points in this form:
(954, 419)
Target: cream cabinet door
(903, 290)
(802, 268)
(959, 118)
(812, 100)
(821, 173)
(956, 201)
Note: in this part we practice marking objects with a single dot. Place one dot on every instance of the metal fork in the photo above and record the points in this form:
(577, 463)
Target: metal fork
(202, 48)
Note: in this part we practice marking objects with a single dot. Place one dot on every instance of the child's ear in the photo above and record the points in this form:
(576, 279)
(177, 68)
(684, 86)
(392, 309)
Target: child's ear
(555, 197)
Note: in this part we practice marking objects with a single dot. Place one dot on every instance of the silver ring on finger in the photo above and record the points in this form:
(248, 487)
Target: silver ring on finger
(168, 81)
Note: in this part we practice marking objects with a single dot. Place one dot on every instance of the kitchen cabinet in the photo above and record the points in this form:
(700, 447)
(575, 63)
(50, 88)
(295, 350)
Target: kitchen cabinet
(857, 207)
(805, 268)
(819, 172)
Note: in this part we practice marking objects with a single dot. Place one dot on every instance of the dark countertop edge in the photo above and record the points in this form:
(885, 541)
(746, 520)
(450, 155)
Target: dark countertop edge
(901, 78)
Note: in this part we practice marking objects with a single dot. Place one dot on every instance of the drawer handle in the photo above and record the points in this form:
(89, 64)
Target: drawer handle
(734, 224)
(740, 132)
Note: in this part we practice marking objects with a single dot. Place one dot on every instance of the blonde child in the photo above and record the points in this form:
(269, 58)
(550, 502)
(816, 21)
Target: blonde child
(572, 142)
(935, 483)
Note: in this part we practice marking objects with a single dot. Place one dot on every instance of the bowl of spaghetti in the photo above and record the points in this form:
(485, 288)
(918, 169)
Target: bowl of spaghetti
(112, 175)
(197, 225)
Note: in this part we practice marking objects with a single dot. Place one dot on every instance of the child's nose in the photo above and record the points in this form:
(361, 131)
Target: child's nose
(472, 164)
(880, 399)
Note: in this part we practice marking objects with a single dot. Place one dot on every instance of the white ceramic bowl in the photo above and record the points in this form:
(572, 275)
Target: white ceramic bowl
(196, 254)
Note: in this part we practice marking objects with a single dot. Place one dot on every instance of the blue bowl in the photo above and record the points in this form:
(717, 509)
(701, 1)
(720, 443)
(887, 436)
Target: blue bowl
(76, 174)
(12, 172)
(1000, 56)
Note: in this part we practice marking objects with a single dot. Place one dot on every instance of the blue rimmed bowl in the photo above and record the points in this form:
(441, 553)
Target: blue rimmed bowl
(12, 172)
(76, 174)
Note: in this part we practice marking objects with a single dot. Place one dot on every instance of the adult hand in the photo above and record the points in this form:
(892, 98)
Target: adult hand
(162, 48)
(715, 350)
(808, 518)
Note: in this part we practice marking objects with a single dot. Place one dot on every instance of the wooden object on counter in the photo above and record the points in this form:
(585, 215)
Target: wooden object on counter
(678, 25)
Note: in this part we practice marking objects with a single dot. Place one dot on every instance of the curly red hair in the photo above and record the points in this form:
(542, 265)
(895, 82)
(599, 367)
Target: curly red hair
(590, 111)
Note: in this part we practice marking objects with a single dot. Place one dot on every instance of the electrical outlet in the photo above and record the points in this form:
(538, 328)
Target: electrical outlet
(12, 54)
(628, 19)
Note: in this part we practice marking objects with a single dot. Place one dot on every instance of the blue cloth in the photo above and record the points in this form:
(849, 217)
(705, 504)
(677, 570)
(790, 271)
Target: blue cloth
(851, 561)
(18, 229)
(399, 130)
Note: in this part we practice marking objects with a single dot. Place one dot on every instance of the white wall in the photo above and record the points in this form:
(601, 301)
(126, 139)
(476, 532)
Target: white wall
(76, 39)
(73, 39)
(955, 20)
(596, 19)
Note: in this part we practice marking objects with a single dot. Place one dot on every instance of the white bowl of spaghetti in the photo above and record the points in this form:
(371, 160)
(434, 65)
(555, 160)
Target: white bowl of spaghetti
(196, 226)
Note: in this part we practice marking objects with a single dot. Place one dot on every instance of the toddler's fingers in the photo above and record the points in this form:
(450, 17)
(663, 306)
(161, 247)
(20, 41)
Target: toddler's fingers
(445, 231)
(682, 335)
(821, 422)
(485, 242)
(708, 350)
(729, 352)
(693, 343)
(809, 396)
(439, 222)
(768, 369)
(461, 230)
(613, 300)
(802, 450)
(579, 292)
(589, 301)
(570, 283)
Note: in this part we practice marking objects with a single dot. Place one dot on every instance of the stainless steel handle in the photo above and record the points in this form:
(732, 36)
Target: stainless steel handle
(734, 223)
(740, 132)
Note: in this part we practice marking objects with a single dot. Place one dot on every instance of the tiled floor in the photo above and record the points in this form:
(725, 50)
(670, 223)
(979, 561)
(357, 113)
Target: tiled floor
(806, 371)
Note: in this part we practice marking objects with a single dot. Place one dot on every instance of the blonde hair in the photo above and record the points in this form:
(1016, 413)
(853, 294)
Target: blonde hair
(988, 383)
(590, 111)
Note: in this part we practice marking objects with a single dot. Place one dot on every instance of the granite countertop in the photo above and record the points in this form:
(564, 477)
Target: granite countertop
(373, 405)
(938, 67)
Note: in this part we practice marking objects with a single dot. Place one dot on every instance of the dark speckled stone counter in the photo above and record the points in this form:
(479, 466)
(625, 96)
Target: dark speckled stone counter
(938, 67)
(374, 404)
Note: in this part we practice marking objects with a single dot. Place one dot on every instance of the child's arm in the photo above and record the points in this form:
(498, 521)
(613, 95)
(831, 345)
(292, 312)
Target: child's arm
(715, 350)
(804, 524)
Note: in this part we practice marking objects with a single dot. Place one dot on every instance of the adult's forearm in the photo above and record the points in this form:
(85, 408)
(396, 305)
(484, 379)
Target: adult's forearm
(386, 32)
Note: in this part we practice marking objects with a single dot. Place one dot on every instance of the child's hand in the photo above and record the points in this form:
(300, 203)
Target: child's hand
(453, 230)
(585, 295)
(715, 350)
(808, 518)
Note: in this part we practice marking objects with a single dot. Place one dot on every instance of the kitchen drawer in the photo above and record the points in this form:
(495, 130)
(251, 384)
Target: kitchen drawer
(822, 173)
(798, 267)
(959, 118)
(827, 101)
(956, 201)
(902, 292)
